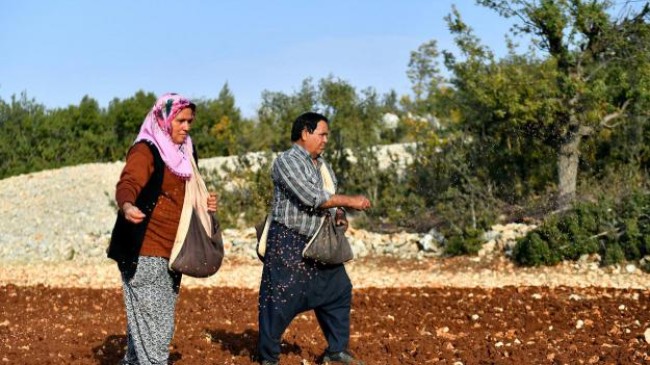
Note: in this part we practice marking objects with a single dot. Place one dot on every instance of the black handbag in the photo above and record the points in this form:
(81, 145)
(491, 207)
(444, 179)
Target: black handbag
(329, 245)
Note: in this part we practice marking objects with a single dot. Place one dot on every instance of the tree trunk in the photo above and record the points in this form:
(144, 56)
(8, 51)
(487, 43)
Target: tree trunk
(567, 167)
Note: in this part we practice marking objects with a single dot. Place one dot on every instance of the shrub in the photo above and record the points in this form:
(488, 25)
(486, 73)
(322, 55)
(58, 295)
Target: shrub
(612, 254)
(467, 242)
(533, 250)
(244, 192)
(395, 203)
(635, 226)
(616, 230)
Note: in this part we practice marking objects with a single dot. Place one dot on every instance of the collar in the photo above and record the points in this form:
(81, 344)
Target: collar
(303, 153)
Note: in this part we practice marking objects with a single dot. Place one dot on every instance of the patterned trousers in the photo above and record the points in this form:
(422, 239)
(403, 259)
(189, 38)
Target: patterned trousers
(150, 293)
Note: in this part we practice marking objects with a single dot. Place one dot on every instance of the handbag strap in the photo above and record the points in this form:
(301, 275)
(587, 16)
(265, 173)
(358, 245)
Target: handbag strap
(195, 200)
(328, 185)
(328, 182)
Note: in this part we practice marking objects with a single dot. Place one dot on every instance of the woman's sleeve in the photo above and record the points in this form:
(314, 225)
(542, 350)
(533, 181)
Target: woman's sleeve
(135, 175)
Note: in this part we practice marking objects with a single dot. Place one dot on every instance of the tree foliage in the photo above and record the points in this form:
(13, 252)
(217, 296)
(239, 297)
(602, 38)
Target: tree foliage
(562, 123)
(598, 67)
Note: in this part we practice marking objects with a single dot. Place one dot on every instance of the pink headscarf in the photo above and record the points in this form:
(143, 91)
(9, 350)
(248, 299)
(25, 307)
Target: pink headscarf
(157, 128)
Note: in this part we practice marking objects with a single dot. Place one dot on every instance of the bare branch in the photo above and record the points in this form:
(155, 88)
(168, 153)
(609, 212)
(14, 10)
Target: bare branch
(595, 71)
(585, 131)
(605, 233)
(612, 116)
(642, 14)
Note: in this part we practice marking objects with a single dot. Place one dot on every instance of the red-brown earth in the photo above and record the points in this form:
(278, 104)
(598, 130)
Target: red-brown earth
(426, 325)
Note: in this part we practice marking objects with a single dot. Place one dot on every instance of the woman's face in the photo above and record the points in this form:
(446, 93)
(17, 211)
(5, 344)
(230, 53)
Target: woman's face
(181, 125)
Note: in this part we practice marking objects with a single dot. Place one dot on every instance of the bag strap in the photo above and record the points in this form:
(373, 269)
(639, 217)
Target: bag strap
(328, 185)
(328, 182)
(196, 199)
(261, 244)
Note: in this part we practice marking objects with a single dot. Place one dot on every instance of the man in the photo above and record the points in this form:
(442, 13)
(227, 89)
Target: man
(290, 283)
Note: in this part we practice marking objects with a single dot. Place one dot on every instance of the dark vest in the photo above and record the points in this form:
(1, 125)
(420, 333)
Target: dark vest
(126, 238)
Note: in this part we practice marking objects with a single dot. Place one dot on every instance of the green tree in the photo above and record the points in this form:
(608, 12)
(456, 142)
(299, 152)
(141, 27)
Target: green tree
(125, 117)
(20, 119)
(592, 58)
(90, 135)
(219, 129)
(424, 74)
(277, 113)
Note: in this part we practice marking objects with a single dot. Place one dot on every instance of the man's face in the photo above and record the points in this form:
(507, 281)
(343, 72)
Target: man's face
(181, 125)
(315, 142)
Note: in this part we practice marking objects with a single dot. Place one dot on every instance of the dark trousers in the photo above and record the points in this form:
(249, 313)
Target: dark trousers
(292, 285)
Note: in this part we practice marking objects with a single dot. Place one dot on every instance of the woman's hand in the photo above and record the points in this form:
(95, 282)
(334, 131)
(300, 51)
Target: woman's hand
(132, 213)
(212, 202)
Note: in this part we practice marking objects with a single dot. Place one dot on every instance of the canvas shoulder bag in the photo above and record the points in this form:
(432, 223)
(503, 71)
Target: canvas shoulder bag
(198, 248)
(262, 233)
(329, 245)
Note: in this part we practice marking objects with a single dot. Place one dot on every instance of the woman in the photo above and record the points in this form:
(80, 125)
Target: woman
(150, 196)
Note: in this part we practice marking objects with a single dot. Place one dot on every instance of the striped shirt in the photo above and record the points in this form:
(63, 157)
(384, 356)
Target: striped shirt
(298, 190)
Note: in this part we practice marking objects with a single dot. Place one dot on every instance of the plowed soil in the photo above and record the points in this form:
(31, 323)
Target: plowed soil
(443, 325)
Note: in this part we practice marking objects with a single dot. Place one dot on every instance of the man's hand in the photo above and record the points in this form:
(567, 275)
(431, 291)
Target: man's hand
(359, 202)
(132, 213)
(341, 219)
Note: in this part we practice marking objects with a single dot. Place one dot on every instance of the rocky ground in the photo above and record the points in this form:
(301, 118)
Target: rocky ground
(60, 299)
(55, 226)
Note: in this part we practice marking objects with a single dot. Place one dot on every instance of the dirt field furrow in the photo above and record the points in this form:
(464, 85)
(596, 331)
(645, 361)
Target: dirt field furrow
(509, 325)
